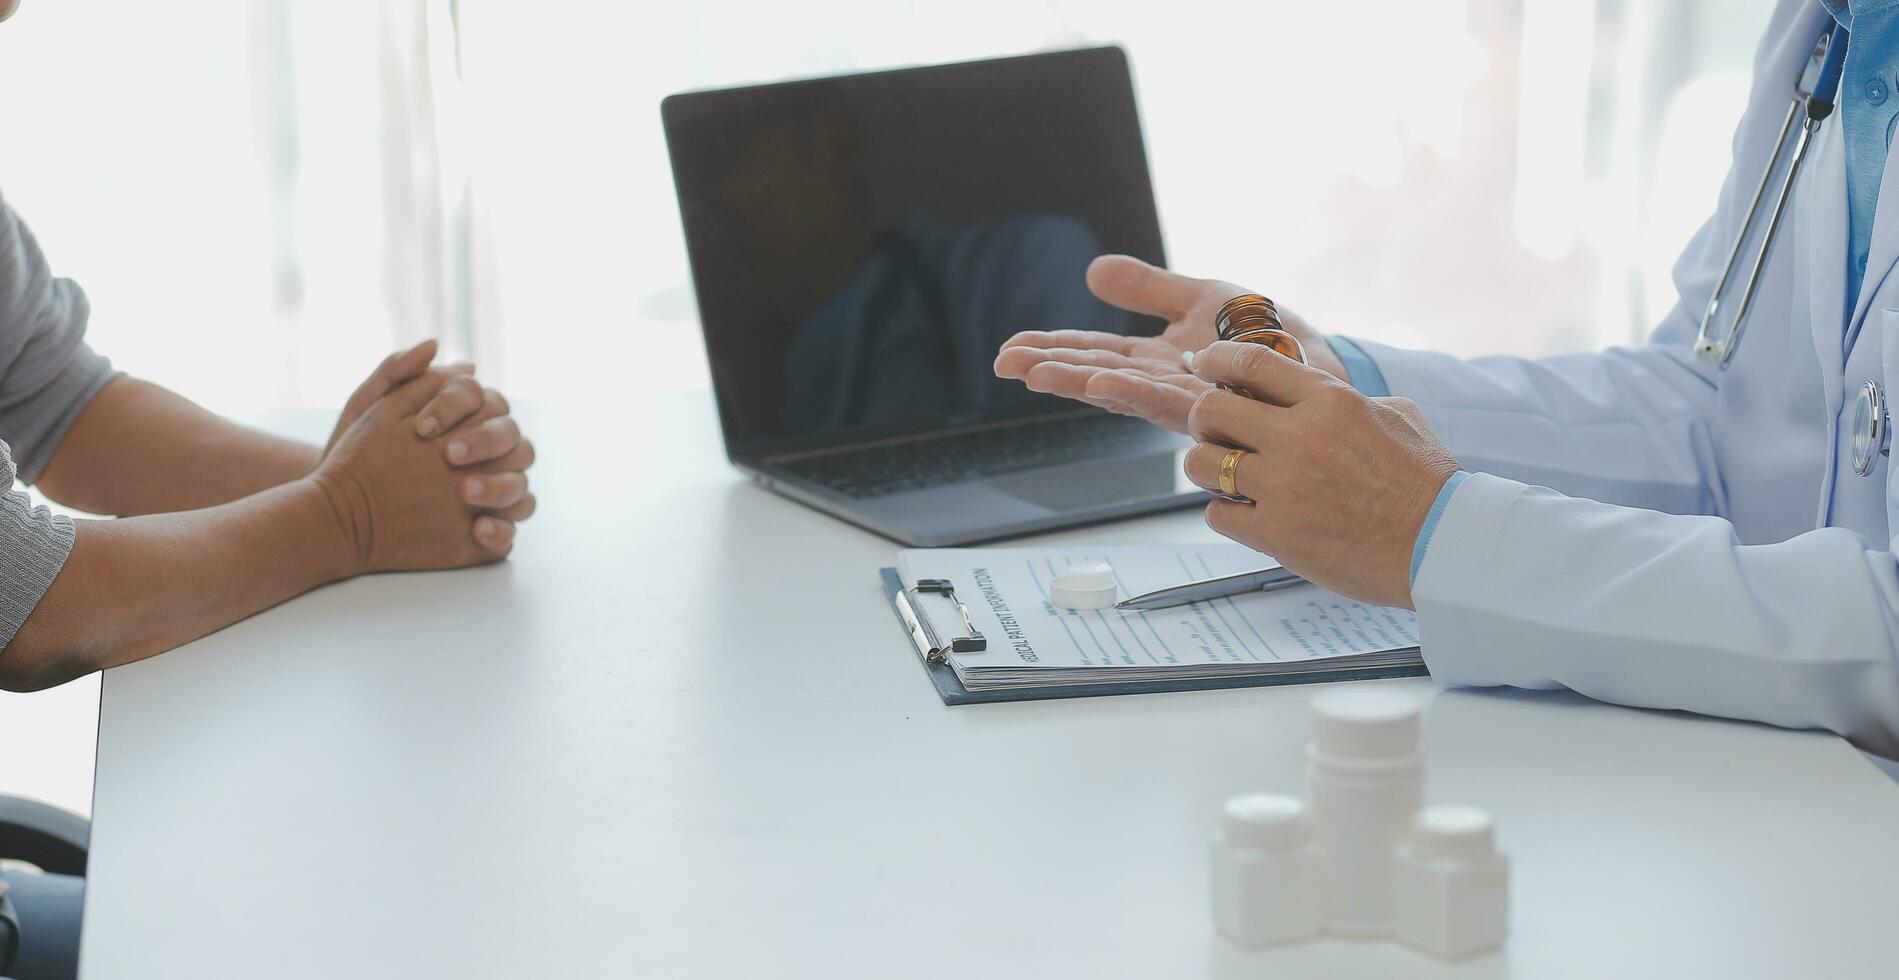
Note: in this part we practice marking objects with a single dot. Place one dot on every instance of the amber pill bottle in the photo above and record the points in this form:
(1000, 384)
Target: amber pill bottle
(1250, 318)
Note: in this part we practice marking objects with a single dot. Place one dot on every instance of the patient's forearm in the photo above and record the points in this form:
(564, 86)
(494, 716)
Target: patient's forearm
(143, 585)
(138, 448)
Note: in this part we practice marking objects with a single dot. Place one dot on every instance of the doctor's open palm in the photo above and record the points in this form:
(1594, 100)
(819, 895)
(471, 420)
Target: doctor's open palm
(1142, 376)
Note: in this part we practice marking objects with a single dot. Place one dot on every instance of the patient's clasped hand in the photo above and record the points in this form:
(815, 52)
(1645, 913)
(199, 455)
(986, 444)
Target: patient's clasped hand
(426, 469)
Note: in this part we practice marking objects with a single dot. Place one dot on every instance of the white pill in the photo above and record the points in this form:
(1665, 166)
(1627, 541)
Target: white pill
(1085, 586)
(1186, 360)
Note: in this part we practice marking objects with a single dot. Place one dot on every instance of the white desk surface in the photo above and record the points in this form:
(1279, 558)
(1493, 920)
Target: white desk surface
(680, 734)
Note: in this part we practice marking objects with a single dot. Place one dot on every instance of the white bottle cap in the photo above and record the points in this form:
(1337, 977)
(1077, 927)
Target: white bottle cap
(1085, 585)
(1271, 822)
(1365, 721)
(1449, 831)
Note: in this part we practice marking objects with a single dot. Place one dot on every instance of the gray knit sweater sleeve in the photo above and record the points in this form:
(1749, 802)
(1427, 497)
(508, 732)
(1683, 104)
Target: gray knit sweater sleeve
(47, 375)
(33, 546)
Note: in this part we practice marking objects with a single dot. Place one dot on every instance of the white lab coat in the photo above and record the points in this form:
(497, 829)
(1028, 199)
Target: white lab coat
(1707, 544)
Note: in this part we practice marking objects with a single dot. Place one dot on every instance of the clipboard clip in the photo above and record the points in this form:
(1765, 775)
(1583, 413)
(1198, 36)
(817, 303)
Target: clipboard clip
(923, 633)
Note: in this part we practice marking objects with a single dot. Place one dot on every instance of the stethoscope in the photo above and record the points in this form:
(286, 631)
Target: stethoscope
(1872, 425)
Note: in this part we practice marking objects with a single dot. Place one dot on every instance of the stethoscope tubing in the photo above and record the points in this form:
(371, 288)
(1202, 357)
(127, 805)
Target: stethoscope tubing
(1818, 107)
(1872, 422)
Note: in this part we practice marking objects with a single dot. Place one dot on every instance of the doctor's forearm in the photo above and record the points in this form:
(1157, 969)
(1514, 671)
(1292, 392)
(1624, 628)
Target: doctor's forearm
(139, 586)
(1524, 587)
(138, 448)
(1622, 426)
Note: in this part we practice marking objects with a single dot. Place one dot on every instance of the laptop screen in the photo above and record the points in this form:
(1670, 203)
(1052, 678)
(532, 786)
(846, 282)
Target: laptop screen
(862, 245)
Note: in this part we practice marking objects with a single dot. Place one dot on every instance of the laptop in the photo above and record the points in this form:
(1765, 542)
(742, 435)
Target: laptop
(862, 245)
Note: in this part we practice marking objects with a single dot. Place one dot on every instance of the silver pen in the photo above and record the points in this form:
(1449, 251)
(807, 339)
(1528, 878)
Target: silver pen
(1264, 580)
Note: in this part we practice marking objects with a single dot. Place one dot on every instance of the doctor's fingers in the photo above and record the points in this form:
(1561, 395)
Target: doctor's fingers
(1078, 339)
(1017, 362)
(1131, 284)
(1165, 400)
(1258, 526)
(1267, 374)
(1066, 380)
(1227, 419)
(1253, 478)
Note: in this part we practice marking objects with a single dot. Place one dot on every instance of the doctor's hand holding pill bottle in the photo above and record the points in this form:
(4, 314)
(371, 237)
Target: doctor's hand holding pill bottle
(1142, 376)
(1334, 484)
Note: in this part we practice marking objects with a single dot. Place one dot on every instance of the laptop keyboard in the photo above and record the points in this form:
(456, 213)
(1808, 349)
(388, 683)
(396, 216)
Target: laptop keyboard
(955, 457)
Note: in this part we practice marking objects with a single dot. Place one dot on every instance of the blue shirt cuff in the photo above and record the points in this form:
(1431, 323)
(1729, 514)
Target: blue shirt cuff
(1360, 369)
(1430, 521)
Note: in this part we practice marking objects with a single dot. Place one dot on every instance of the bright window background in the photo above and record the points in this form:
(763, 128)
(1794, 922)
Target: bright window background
(262, 198)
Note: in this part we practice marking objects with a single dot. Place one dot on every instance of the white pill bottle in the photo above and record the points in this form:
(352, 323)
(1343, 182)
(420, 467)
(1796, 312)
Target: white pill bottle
(1365, 780)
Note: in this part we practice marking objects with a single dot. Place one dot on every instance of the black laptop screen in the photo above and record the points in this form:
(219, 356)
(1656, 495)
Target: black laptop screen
(862, 245)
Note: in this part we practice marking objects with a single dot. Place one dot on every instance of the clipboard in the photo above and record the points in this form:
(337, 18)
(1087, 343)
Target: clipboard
(923, 615)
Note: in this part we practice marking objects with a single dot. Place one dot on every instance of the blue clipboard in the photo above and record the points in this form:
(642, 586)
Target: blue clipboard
(952, 691)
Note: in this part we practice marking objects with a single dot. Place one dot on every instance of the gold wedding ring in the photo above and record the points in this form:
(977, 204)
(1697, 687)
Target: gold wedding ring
(1229, 474)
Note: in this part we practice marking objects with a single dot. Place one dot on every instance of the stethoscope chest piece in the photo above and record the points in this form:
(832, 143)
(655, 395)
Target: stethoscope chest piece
(1872, 428)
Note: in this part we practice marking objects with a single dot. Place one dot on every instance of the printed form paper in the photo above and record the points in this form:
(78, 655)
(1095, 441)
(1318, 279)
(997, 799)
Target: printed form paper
(1031, 640)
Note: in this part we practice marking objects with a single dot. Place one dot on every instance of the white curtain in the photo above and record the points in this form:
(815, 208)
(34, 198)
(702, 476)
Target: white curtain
(408, 118)
(262, 196)
(438, 269)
